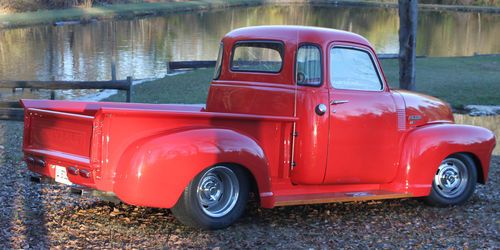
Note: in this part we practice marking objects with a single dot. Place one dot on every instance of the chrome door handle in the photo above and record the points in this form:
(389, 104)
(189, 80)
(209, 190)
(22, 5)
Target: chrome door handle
(335, 102)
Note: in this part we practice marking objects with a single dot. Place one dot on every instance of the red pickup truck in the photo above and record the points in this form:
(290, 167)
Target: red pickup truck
(297, 115)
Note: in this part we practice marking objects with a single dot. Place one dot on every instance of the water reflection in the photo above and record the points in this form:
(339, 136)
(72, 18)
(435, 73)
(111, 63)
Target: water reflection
(143, 46)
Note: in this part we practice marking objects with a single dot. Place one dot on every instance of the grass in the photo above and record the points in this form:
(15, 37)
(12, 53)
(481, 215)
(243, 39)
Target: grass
(459, 80)
(191, 87)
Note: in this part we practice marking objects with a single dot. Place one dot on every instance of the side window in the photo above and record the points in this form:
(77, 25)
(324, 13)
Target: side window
(353, 69)
(218, 64)
(308, 66)
(257, 57)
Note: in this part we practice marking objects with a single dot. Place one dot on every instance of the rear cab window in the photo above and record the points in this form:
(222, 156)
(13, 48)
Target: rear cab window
(257, 56)
(353, 69)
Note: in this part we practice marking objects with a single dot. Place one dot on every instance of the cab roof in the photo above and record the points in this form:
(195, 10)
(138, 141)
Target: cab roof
(299, 34)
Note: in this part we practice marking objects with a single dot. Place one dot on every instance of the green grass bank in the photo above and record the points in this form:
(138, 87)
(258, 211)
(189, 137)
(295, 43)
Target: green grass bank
(458, 80)
(131, 10)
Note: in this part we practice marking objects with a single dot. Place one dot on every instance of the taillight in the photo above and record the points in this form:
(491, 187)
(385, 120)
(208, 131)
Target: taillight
(85, 173)
(73, 170)
(30, 160)
(40, 163)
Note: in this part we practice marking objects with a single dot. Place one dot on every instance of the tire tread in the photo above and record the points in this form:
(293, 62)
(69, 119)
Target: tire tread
(187, 211)
(434, 199)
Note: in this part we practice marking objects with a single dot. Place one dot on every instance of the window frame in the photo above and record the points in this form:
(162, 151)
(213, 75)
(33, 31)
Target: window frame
(238, 43)
(295, 67)
(217, 74)
(372, 59)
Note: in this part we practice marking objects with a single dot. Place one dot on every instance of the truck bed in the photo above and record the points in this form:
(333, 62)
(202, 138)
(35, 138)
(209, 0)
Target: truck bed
(96, 139)
(63, 130)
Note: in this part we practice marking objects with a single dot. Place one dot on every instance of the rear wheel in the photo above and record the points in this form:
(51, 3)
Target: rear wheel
(214, 199)
(454, 182)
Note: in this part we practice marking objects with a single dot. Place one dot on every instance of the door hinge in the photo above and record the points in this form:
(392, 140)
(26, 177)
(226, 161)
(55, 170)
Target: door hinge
(295, 133)
(293, 165)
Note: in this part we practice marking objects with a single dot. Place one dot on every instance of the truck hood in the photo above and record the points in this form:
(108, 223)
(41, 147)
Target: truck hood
(423, 109)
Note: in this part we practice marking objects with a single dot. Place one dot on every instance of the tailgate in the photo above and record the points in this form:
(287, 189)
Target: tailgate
(59, 134)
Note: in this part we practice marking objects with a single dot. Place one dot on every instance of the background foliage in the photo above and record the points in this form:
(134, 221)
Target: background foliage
(34, 5)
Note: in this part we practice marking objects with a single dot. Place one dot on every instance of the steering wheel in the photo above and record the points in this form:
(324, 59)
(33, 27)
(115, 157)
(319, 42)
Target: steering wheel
(301, 77)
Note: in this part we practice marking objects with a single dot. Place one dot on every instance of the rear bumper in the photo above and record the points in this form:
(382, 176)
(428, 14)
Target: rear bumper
(45, 165)
(44, 168)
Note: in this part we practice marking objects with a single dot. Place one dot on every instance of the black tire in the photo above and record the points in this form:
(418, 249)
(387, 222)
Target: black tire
(454, 182)
(221, 209)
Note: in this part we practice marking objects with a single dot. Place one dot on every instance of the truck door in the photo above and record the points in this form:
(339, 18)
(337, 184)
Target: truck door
(311, 138)
(363, 141)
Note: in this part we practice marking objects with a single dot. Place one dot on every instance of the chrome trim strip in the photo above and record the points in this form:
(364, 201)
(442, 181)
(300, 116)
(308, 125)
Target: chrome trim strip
(266, 194)
(401, 113)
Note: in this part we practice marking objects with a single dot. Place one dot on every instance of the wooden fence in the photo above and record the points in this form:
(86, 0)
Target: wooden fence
(190, 65)
(13, 110)
(209, 64)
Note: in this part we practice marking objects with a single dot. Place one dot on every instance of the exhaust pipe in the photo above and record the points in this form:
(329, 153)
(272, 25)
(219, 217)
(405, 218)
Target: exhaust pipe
(41, 179)
(36, 179)
(80, 190)
(87, 192)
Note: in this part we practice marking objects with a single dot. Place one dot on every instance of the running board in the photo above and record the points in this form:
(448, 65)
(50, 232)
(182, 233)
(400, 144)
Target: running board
(304, 199)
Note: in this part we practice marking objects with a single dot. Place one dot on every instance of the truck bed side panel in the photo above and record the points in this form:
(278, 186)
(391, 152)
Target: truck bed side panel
(191, 142)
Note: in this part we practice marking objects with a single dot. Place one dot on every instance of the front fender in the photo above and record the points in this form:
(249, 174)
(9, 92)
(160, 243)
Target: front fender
(426, 147)
(155, 170)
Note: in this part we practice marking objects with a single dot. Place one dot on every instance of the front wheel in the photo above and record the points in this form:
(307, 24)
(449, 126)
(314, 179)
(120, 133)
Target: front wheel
(454, 182)
(214, 199)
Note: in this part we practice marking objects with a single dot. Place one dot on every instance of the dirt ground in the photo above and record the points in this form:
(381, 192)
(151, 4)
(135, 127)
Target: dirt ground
(46, 216)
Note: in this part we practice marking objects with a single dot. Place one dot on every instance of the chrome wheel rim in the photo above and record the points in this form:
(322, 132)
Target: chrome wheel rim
(218, 191)
(451, 178)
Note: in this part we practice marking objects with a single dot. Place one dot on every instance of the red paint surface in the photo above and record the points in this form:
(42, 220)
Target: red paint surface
(147, 153)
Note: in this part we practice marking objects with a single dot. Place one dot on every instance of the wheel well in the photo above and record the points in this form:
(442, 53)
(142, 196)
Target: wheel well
(477, 164)
(479, 167)
(254, 188)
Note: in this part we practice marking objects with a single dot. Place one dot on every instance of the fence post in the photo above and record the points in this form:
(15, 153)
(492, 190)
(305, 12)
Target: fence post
(129, 90)
(53, 92)
(113, 71)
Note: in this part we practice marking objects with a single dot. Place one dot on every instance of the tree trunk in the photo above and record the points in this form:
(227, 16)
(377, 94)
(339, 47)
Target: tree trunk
(408, 11)
(89, 3)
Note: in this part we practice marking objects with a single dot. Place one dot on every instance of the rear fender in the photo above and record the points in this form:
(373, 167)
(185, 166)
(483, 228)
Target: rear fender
(426, 147)
(154, 171)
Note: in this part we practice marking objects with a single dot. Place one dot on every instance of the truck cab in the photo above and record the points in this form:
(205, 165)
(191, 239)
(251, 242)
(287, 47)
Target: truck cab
(298, 115)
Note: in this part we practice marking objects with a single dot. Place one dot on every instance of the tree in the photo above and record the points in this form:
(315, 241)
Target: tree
(408, 11)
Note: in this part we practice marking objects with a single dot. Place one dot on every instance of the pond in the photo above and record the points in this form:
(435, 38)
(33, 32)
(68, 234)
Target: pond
(141, 47)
